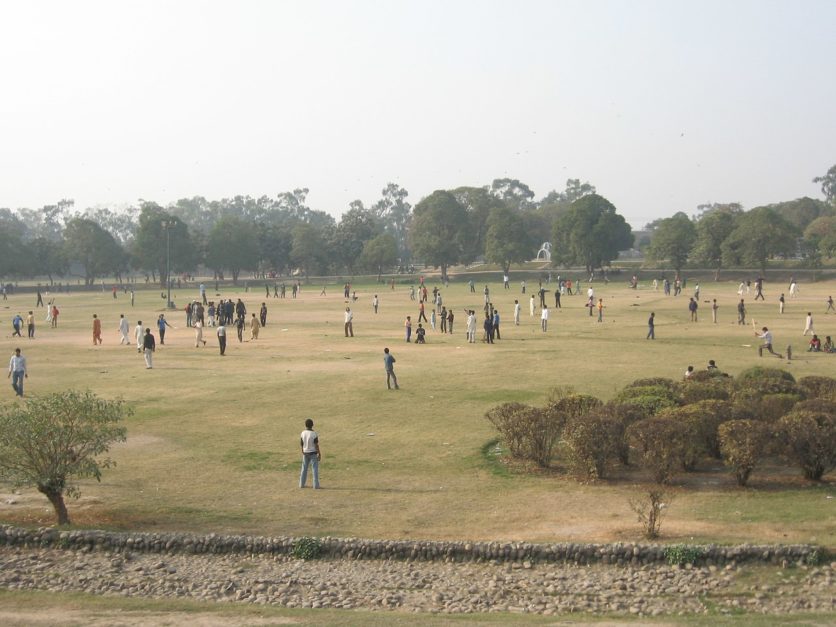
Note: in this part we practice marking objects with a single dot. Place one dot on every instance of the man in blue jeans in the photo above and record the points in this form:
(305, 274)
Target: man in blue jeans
(17, 371)
(310, 454)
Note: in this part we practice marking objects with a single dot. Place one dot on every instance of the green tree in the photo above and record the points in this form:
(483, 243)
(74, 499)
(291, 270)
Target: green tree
(380, 252)
(308, 249)
(12, 248)
(507, 241)
(357, 226)
(150, 248)
(760, 234)
(713, 227)
(590, 233)
(94, 248)
(802, 211)
(673, 240)
(275, 243)
(48, 258)
(233, 244)
(478, 203)
(50, 441)
(820, 236)
(439, 230)
(394, 213)
(515, 194)
(828, 185)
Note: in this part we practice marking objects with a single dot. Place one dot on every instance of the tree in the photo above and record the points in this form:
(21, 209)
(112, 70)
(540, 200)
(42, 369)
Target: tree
(439, 230)
(12, 247)
(760, 234)
(50, 441)
(713, 227)
(274, 244)
(394, 213)
(507, 241)
(94, 248)
(308, 249)
(515, 194)
(672, 240)
(478, 203)
(820, 236)
(152, 251)
(574, 190)
(48, 258)
(233, 244)
(379, 253)
(828, 185)
(356, 227)
(590, 233)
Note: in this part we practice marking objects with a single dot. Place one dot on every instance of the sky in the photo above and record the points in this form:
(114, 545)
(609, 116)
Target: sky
(661, 105)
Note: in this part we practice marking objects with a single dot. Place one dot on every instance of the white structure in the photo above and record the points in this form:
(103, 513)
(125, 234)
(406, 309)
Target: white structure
(545, 251)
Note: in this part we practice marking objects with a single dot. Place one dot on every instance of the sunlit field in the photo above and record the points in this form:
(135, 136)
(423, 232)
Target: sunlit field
(213, 444)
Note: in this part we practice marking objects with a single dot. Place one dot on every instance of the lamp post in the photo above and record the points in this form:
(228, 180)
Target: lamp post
(167, 226)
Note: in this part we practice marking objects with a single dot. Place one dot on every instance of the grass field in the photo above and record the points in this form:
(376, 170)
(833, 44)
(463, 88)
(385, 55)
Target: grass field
(214, 442)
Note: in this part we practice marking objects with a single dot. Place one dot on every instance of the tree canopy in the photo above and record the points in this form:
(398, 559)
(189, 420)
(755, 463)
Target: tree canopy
(590, 233)
(759, 235)
(439, 230)
(673, 240)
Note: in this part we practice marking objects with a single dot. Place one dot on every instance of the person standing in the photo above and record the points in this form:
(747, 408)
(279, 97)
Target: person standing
(408, 326)
(198, 333)
(766, 336)
(505, 282)
(516, 312)
(544, 319)
(443, 319)
(262, 314)
(487, 293)
(97, 330)
(600, 307)
(421, 313)
(240, 323)
(18, 371)
(149, 345)
(496, 324)
(557, 298)
(375, 303)
(808, 324)
(450, 318)
(221, 333)
(522, 286)
(255, 326)
(389, 364)
(349, 322)
(532, 306)
(741, 312)
(132, 297)
(759, 288)
(781, 303)
(714, 308)
(471, 326)
(138, 333)
(162, 323)
(30, 325)
(123, 331)
(311, 454)
(651, 326)
(40, 301)
(692, 307)
(487, 325)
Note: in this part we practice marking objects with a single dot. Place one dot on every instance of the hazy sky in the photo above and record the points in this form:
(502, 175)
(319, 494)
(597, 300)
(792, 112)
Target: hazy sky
(661, 105)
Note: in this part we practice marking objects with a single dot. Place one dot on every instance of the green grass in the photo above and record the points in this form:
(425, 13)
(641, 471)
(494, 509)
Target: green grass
(214, 442)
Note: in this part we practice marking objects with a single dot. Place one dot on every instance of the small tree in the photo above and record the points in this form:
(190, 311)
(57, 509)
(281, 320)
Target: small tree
(743, 444)
(50, 441)
(661, 446)
(592, 441)
(506, 419)
(649, 509)
(810, 439)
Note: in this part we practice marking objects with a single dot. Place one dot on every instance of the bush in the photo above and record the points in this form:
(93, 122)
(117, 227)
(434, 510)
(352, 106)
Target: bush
(817, 404)
(681, 554)
(713, 388)
(810, 441)
(766, 386)
(593, 441)
(701, 420)
(572, 405)
(307, 549)
(649, 508)
(651, 398)
(626, 414)
(765, 407)
(654, 382)
(818, 387)
(743, 444)
(661, 446)
(506, 418)
(758, 373)
(691, 422)
(544, 429)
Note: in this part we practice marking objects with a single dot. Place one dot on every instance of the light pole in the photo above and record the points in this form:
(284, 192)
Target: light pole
(167, 226)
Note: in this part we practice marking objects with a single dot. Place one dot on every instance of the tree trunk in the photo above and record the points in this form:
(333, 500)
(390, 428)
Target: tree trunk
(443, 271)
(379, 273)
(57, 500)
(717, 274)
(235, 277)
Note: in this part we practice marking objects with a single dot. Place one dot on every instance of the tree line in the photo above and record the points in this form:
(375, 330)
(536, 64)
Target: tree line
(501, 223)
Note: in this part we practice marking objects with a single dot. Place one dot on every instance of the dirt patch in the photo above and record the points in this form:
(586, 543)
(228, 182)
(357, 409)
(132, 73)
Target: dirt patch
(64, 618)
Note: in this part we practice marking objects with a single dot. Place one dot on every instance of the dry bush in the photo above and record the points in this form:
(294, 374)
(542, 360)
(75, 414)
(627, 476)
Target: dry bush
(818, 387)
(651, 398)
(817, 404)
(759, 373)
(660, 444)
(809, 439)
(649, 509)
(712, 388)
(544, 429)
(765, 407)
(626, 414)
(592, 443)
(743, 445)
(506, 418)
(654, 382)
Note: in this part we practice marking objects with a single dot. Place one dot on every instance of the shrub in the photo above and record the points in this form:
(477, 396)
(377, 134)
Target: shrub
(766, 386)
(506, 418)
(765, 407)
(743, 444)
(654, 382)
(758, 373)
(572, 405)
(714, 388)
(660, 444)
(810, 441)
(593, 440)
(651, 398)
(818, 387)
(307, 548)
(691, 423)
(681, 554)
(543, 433)
(701, 420)
(649, 508)
(626, 414)
(817, 404)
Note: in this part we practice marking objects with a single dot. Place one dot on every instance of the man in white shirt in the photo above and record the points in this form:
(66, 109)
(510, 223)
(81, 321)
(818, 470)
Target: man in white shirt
(123, 331)
(349, 327)
(311, 455)
(139, 332)
(517, 312)
(17, 371)
(766, 336)
(808, 324)
(544, 319)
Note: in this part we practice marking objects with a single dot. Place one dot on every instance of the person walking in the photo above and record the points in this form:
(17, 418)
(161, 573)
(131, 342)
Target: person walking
(162, 323)
(516, 312)
(766, 336)
(741, 312)
(198, 333)
(830, 306)
(139, 332)
(255, 326)
(759, 289)
(30, 325)
(17, 323)
(262, 315)
(221, 333)
(389, 364)
(714, 308)
(651, 326)
(375, 303)
(123, 331)
(808, 324)
(40, 299)
(311, 454)
(544, 319)
(781, 303)
(97, 330)
(349, 324)
(149, 345)
(18, 371)
(240, 323)
(422, 316)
